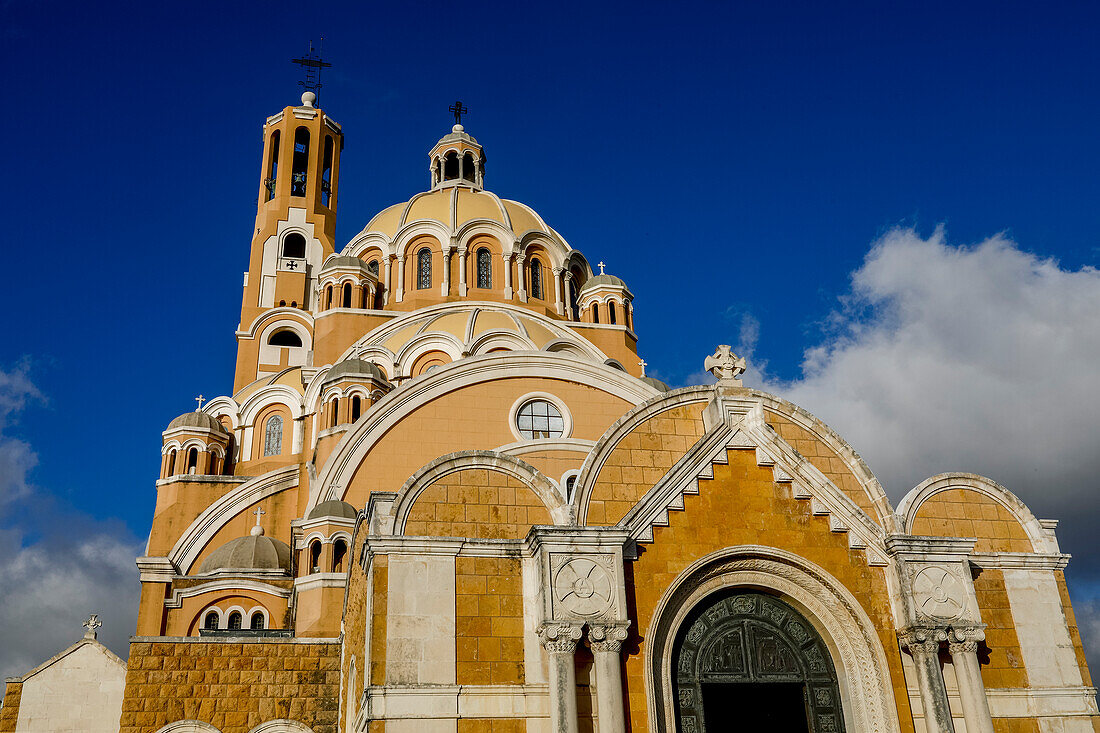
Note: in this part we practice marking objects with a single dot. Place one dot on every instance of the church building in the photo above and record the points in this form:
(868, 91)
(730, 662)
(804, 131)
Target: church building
(442, 496)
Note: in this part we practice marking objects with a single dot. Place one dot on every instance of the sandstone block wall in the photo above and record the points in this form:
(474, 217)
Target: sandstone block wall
(233, 685)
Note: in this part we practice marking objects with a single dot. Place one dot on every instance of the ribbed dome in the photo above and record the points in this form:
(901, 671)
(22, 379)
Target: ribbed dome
(656, 384)
(255, 552)
(196, 419)
(352, 368)
(453, 207)
(333, 508)
(344, 262)
(602, 279)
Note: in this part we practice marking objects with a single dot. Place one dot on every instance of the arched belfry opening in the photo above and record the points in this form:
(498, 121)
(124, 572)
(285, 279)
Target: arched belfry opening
(750, 661)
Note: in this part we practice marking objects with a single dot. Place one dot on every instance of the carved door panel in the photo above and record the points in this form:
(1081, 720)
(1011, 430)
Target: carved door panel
(742, 657)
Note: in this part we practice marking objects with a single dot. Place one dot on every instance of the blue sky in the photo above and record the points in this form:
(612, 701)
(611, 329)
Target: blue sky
(803, 180)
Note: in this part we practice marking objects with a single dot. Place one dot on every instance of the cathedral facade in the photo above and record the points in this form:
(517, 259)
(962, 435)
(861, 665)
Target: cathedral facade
(444, 496)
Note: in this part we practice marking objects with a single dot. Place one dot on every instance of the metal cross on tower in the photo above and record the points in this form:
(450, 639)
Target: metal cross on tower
(457, 109)
(312, 64)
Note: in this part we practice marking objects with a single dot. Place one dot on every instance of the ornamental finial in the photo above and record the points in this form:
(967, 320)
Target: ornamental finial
(258, 530)
(91, 625)
(200, 399)
(724, 364)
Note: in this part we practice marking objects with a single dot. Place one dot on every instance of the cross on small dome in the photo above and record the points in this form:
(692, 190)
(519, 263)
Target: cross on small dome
(258, 530)
(601, 266)
(200, 399)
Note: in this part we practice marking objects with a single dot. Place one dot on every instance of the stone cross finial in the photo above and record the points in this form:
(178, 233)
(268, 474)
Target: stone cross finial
(91, 625)
(724, 364)
(258, 530)
(643, 365)
(200, 399)
(601, 266)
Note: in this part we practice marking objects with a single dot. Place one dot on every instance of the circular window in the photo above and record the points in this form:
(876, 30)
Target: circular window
(540, 419)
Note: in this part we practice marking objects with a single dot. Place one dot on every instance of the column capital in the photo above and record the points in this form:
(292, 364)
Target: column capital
(559, 638)
(922, 638)
(558, 270)
(965, 638)
(608, 637)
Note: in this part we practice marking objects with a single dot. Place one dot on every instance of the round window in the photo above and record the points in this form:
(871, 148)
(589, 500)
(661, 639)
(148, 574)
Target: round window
(540, 419)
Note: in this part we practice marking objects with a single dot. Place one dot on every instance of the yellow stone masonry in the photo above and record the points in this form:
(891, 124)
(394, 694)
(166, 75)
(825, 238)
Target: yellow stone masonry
(1005, 666)
(966, 513)
(476, 503)
(488, 621)
(9, 713)
(641, 459)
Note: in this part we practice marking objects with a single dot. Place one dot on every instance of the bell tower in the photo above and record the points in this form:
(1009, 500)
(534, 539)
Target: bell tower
(295, 231)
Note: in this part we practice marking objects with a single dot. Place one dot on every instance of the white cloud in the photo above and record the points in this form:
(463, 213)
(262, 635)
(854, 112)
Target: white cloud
(56, 565)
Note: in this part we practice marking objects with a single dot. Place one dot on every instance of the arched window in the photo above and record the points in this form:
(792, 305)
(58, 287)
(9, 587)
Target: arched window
(573, 305)
(315, 556)
(170, 469)
(339, 551)
(628, 314)
(286, 337)
(273, 436)
(469, 167)
(450, 166)
(347, 295)
(372, 267)
(328, 297)
(294, 245)
(213, 469)
(424, 269)
(536, 279)
(484, 268)
(192, 460)
(356, 407)
(272, 166)
(569, 484)
(595, 312)
(326, 173)
(300, 165)
(611, 313)
(211, 620)
(335, 412)
(235, 620)
(257, 622)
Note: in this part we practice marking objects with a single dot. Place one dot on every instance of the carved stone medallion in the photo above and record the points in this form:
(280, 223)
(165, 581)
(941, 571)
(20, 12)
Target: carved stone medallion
(582, 587)
(939, 594)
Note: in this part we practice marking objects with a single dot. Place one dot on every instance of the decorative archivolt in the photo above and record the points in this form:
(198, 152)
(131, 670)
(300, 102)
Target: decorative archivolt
(1042, 540)
(546, 489)
(214, 448)
(283, 725)
(300, 321)
(850, 635)
(188, 726)
(395, 406)
(272, 394)
(500, 339)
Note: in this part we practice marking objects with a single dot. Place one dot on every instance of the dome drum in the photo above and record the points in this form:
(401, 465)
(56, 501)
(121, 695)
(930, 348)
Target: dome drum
(605, 299)
(197, 444)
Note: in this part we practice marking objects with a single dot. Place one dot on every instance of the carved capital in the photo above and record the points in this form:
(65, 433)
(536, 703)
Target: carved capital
(922, 638)
(607, 637)
(559, 638)
(963, 639)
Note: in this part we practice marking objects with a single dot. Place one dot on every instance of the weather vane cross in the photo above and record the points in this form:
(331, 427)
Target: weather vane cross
(312, 64)
(457, 109)
(200, 399)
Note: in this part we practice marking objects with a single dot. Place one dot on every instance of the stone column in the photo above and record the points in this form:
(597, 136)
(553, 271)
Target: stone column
(462, 290)
(388, 281)
(924, 645)
(445, 290)
(507, 275)
(606, 643)
(963, 645)
(522, 278)
(560, 642)
(400, 277)
(559, 304)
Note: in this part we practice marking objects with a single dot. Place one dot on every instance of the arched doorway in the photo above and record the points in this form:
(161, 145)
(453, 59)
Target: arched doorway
(749, 661)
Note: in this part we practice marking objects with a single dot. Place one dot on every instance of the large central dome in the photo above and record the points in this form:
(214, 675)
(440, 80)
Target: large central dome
(455, 206)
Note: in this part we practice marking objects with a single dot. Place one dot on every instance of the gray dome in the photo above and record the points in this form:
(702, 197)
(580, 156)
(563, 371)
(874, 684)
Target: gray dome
(333, 508)
(603, 279)
(255, 552)
(656, 384)
(345, 261)
(354, 368)
(196, 419)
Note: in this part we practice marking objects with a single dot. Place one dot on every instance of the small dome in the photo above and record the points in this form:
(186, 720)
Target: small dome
(602, 279)
(345, 262)
(196, 419)
(333, 508)
(354, 368)
(657, 384)
(255, 552)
